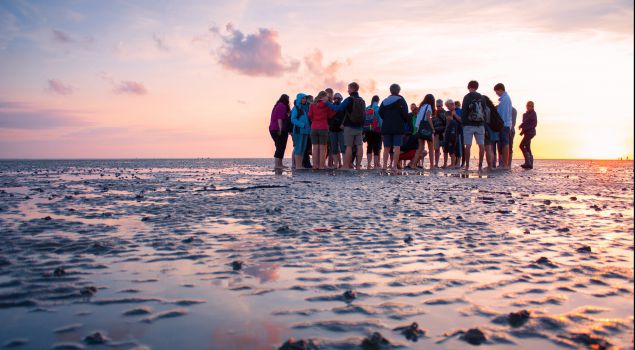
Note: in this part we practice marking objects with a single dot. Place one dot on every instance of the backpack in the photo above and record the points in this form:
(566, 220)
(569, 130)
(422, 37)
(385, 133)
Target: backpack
(496, 122)
(476, 112)
(358, 111)
(425, 131)
(371, 120)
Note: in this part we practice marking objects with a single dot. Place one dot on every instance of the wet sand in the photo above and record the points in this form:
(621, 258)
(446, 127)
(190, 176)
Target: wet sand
(223, 254)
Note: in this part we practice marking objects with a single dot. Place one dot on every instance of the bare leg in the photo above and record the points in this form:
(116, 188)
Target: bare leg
(395, 162)
(481, 153)
(360, 154)
(348, 157)
(386, 154)
(432, 153)
(466, 154)
(489, 155)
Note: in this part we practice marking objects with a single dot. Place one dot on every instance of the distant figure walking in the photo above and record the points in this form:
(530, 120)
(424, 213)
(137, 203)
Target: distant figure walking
(279, 129)
(528, 131)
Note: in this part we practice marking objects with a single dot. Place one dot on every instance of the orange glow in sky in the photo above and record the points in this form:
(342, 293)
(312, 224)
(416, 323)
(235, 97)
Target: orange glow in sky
(199, 78)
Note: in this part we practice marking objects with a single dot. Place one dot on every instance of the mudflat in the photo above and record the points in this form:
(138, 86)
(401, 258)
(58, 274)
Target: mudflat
(224, 254)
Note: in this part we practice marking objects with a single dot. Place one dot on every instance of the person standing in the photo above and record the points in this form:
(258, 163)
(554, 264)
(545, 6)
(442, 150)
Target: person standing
(306, 159)
(528, 131)
(472, 119)
(425, 129)
(319, 114)
(512, 133)
(491, 137)
(505, 111)
(438, 121)
(278, 129)
(336, 135)
(372, 132)
(301, 129)
(452, 137)
(354, 107)
(394, 114)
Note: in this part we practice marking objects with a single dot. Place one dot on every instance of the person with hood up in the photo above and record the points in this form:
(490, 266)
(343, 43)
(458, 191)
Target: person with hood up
(394, 113)
(319, 115)
(301, 128)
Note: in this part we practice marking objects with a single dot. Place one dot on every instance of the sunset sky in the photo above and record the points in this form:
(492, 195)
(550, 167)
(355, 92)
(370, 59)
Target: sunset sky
(162, 79)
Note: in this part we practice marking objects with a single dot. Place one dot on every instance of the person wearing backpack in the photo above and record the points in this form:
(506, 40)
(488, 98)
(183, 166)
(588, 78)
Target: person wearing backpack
(372, 132)
(528, 131)
(425, 130)
(301, 129)
(336, 135)
(354, 108)
(278, 128)
(472, 119)
(491, 136)
(438, 121)
(394, 115)
(505, 111)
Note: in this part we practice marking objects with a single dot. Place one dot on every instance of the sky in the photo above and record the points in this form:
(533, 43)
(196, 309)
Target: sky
(172, 79)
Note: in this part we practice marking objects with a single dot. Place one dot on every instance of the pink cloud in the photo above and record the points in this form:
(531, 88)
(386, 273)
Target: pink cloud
(58, 87)
(130, 87)
(257, 54)
(325, 75)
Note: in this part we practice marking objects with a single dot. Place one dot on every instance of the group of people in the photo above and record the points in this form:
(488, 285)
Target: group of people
(330, 131)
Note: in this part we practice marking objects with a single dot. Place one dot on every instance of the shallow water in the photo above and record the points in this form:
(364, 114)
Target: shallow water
(141, 251)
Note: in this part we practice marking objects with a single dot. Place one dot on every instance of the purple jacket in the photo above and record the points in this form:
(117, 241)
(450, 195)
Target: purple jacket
(279, 112)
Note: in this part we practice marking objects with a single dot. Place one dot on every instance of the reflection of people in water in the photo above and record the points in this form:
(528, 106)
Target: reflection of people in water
(265, 272)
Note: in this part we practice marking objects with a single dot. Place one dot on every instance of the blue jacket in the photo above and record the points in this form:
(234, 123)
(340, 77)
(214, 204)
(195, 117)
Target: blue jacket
(300, 116)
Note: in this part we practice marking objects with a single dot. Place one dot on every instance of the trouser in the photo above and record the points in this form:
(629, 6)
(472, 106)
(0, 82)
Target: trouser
(280, 142)
(306, 160)
(525, 147)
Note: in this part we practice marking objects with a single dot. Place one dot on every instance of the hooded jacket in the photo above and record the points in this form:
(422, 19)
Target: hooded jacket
(394, 113)
(300, 116)
(319, 114)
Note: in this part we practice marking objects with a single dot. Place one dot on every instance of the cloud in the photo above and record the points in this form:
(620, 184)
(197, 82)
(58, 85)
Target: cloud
(17, 115)
(159, 42)
(130, 87)
(57, 87)
(64, 38)
(257, 54)
(124, 86)
(325, 75)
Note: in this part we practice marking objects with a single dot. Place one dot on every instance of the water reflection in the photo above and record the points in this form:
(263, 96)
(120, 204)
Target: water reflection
(265, 272)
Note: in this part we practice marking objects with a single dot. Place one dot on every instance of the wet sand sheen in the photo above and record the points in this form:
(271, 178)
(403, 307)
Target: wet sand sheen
(224, 254)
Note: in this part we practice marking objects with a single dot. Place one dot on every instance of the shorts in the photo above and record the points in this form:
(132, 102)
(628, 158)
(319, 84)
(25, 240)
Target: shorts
(373, 142)
(425, 138)
(392, 140)
(353, 136)
(471, 130)
(491, 136)
(337, 142)
(319, 137)
(300, 142)
(505, 136)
